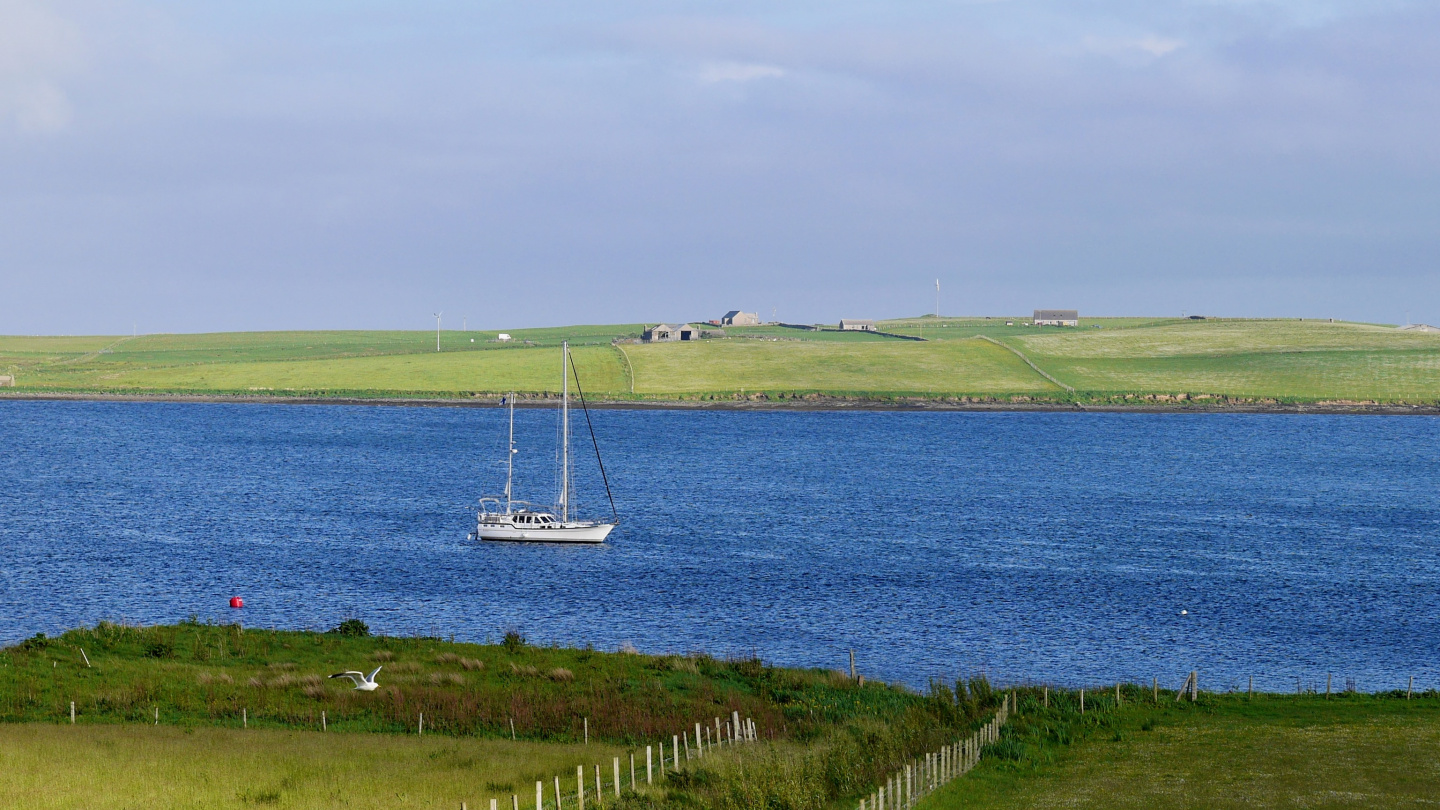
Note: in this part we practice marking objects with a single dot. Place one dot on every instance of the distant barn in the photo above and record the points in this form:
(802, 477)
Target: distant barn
(856, 325)
(1056, 317)
(737, 318)
(665, 333)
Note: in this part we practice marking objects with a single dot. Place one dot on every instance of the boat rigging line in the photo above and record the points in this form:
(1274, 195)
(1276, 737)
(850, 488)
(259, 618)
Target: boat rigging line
(596, 444)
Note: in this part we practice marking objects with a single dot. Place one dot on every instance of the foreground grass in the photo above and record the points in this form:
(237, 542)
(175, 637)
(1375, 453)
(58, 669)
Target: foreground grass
(1226, 751)
(1125, 360)
(224, 675)
(55, 766)
(157, 707)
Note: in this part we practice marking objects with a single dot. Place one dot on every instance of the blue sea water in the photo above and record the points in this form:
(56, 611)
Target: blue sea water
(1057, 547)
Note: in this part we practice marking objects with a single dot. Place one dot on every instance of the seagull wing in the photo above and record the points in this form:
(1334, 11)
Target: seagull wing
(352, 675)
(371, 676)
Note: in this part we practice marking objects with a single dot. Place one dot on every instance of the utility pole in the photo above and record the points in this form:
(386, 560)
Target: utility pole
(437, 331)
(937, 298)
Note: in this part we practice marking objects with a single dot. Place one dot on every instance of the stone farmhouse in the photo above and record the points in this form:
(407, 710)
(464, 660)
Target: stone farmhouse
(665, 333)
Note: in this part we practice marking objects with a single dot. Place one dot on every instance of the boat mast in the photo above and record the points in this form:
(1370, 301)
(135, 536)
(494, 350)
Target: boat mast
(510, 457)
(564, 431)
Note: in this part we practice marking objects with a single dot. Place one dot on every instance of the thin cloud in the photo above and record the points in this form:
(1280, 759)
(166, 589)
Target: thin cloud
(738, 72)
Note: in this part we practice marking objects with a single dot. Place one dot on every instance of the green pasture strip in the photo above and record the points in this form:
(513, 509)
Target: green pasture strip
(1126, 360)
(49, 766)
(1219, 338)
(1227, 750)
(530, 369)
(1311, 376)
(1286, 360)
(972, 366)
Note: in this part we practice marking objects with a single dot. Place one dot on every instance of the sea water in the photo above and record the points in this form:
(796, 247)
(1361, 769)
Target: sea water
(1071, 548)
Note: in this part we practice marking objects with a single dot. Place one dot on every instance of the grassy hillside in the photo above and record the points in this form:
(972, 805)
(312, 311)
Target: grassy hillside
(824, 742)
(157, 707)
(1105, 361)
(963, 367)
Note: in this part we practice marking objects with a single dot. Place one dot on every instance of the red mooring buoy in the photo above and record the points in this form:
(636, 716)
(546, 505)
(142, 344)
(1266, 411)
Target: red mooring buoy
(237, 602)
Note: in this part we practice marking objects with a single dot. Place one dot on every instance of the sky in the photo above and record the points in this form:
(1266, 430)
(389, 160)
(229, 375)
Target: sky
(191, 167)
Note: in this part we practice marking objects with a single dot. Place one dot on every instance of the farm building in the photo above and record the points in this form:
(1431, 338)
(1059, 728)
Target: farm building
(738, 318)
(856, 325)
(1056, 317)
(665, 332)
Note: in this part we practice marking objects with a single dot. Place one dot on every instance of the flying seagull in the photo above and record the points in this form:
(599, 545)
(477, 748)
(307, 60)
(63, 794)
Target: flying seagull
(363, 682)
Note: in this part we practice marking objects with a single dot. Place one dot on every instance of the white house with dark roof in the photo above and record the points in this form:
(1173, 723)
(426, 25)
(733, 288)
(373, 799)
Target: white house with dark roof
(1056, 317)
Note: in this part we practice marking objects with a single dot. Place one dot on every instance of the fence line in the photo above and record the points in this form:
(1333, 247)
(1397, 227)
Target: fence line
(922, 776)
(726, 734)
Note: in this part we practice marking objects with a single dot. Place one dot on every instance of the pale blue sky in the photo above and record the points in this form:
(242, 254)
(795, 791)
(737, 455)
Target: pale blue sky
(196, 167)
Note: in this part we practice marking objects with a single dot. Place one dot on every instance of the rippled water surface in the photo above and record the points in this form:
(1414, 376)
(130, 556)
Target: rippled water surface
(1046, 546)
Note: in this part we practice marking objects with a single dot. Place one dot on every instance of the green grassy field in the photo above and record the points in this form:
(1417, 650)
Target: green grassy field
(954, 367)
(1227, 751)
(57, 766)
(1108, 361)
(240, 725)
(157, 708)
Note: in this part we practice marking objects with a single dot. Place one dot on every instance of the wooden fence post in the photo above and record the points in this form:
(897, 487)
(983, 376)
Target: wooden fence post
(649, 768)
(539, 795)
(1410, 688)
(580, 786)
(617, 777)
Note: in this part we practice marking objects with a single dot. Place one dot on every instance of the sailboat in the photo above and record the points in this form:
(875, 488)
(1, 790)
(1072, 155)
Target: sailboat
(506, 519)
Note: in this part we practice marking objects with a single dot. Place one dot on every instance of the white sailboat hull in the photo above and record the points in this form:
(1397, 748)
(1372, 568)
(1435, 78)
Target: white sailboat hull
(557, 533)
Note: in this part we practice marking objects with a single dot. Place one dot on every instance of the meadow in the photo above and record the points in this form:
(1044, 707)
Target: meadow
(1348, 750)
(824, 739)
(1106, 361)
(219, 715)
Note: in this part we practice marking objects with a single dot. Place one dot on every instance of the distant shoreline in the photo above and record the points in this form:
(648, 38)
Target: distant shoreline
(821, 404)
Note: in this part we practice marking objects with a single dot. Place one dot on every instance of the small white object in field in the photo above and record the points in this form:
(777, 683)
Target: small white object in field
(363, 682)
(1184, 613)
